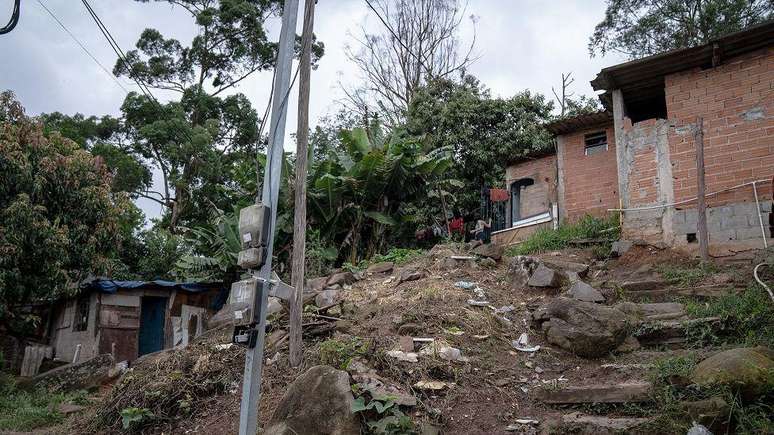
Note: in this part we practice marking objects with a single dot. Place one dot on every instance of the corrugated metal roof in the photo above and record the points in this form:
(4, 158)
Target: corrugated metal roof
(580, 122)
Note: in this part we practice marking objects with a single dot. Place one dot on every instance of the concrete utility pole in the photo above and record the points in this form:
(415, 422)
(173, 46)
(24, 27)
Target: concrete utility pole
(299, 218)
(251, 388)
(700, 191)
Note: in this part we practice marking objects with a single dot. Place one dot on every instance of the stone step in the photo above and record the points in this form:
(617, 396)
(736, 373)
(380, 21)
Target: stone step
(671, 333)
(576, 422)
(670, 293)
(635, 391)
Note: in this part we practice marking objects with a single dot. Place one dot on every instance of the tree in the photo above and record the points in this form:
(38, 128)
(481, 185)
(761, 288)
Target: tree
(59, 221)
(640, 28)
(394, 66)
(484, 133)
(199, 143)
(568, 106)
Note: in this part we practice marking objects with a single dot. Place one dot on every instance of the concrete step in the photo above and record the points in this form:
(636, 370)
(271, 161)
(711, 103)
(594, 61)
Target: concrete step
(577, 422)
(634, 391)
(668, 293)
(671, 333)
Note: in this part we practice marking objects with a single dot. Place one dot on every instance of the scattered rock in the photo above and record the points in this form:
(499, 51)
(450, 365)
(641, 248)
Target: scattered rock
(316, 285)
(567, 266)
(81, 376)
(489, 250)
(653, 311)
(411, 275)
(457, 262)
(69, 408)
(318, 402)
(584, 328)
(383, 267)
(544, 277)
(745, 369)
(403, 356)
(712, 412)
(586, 293)
(487, 263)
(521, 268)
(327, 298)
(409, 329)
(576, 422)
(630, 344)
(341, 278)
(620, 247)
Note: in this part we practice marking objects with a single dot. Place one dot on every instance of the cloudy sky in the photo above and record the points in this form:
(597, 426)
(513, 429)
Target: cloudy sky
(521, 44)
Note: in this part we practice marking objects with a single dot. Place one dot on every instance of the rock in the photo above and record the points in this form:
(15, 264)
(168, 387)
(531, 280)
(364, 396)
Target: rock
(521, 268)
(583, 292)
(411, 275)
(409, 329)
(318, 402)
(567, 266)
(712, 412)
(654, 311)
(487, 263)
(81, 376)
(620, 247)
(747, 370)
(380, 388)
(544, 277)
(341, 278)
(489, 250)
(383, 267)
(630, 344)
(316, 285)
(274, 305)
(457, 262)
(604, 393)
(583, 328)
(327, 298)
(69, 408)
(599, 425)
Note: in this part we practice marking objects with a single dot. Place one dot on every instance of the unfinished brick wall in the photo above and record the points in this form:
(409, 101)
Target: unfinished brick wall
(537, 198)
(590, 182)
(736, 100)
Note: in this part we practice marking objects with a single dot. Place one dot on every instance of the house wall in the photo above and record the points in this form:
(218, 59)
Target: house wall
(590, 183)
(64, 340)
(657, 158)
(537, 198)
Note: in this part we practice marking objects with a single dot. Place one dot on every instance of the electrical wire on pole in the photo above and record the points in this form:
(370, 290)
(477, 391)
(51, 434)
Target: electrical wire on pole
(14, 18)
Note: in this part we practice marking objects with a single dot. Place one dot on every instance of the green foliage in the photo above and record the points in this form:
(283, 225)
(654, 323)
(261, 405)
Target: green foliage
(216, 247)
(134, 418)
(639, 28)
(747, 318)
(381, 414)
(588, 227)
(27, 410)
(687, 276)
(339, 352)
(161, 250)
(398, 256)
(59, 221)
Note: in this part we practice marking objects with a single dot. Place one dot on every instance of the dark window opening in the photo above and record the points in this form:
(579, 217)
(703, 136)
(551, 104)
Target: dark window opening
(647, 103)
(81, 321)
(516, 187)
(691, 237)
(771, 225)
(595, 143)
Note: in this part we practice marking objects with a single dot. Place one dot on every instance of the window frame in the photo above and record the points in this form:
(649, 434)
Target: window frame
(597, 147)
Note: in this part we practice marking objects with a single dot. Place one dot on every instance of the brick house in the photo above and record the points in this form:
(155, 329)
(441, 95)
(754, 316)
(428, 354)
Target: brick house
(640, 152)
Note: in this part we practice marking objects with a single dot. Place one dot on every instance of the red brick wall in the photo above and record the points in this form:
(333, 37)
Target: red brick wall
(537, 198)
(590, 182)
(737, 147)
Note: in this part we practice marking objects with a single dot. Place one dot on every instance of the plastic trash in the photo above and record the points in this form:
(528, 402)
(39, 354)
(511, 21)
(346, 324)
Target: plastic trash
(522, 344)
(698, 429)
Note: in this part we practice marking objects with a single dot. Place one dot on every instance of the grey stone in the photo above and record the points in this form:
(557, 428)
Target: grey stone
(488, 262)
(411, 275)
(81, 376)
(341, 278)
(586, 293)
(603, 393)
(744, 369)
(620, 247)
(318, 402)
(544, 277)
(327, 298)
(567, 266)
(274, 305)
(736, 221)
(576, 422)
(490, 250)
(630, 344)
(583, 328)
(383, 267)
(521, 268)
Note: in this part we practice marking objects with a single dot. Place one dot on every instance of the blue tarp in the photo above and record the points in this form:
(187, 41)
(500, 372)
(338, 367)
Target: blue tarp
(111, 286)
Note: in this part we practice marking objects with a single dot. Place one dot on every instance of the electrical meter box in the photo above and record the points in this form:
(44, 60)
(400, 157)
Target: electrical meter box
(252, 258)
(254, 226)
(244, 301)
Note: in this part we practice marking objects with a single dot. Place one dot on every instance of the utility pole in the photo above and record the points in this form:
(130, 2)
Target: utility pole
(299, 218)
(700, 191)
(251, 387)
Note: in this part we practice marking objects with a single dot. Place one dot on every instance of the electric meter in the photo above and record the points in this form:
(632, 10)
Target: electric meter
(254, 226)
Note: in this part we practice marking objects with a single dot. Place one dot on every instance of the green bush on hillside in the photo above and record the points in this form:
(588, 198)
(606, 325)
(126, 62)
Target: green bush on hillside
(588, 227)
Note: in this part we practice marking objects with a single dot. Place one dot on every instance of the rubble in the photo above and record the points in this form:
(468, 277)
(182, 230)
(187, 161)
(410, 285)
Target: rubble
(583, 292)
(544, 276)
(521, 268)
(604, 393)
(489, 250)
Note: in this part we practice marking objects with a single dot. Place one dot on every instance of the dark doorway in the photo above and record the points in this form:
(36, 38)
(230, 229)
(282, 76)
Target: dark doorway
(516, 187)
(152, 324)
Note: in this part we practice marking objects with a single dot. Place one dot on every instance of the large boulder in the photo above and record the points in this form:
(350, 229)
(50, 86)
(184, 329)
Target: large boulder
(586, 329)
(581, 269)
(745, 369)
(544, 276)
(81, 376)
(319, 402)
(341, 278)
(489, 250)
(327, 298)
(315, 285)
(521, 268)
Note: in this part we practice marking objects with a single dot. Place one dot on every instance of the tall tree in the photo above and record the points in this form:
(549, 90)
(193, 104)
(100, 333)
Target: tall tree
(59, 221)
(425, 44)
(640, 28)
(200, 141)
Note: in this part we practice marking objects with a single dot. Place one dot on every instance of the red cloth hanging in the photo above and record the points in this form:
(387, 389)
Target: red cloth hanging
(498, 195)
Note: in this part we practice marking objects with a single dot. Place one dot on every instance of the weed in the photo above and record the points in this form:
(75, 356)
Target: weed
(27, 410)
(601, 252)
(687, 276)
(134, 418)
(398, 256)
(339, 352)
(381, 414)
(587, 227)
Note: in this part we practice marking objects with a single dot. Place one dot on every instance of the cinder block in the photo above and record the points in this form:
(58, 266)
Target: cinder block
(722, 235)
(749, 233)
(691, 216)
(735, 221)
(684, 228)
(678, 217)
(753, 220)
(744, 208)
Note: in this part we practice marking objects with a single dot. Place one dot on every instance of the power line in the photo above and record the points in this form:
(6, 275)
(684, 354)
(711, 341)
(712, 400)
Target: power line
(14, 18)
(82, 46)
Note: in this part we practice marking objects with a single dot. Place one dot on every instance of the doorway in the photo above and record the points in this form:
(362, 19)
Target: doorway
(152, 316)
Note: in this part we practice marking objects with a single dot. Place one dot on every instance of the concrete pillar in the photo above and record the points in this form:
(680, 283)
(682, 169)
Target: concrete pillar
(560, 147)
(621, 146)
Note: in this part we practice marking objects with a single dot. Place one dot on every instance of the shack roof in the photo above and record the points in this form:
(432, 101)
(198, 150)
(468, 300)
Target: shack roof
(580, 122)
(532, 155)
(642, 79)
(113, 286)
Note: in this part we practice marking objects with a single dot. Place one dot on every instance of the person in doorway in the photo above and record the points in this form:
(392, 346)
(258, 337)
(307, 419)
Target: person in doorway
(481, 230)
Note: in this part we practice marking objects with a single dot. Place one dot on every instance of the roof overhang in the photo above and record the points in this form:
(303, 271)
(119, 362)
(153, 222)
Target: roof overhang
(580, 122)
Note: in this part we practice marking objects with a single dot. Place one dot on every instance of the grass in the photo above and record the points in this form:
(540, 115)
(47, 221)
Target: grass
(687, 276)
(587, 227)
(339, 352)
(399, 256)
(22, 410)
(747, 319)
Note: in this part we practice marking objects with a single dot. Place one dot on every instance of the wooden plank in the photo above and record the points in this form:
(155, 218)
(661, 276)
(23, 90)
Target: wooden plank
(700, 192)
(614, 393)
(117, 317)
(121, 300)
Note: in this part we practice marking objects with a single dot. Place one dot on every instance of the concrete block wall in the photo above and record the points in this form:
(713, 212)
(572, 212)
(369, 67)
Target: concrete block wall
(730, 222)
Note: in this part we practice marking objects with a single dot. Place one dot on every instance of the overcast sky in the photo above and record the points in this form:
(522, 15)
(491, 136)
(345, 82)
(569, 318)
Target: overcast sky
(522, 44)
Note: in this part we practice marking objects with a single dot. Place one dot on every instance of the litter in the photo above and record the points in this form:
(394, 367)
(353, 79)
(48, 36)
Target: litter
(403, 356)
(481, 337)
(431, 385)
(504, 309)
(224, 346)
(476, 303)
(465, 285)
(522, 344)
(519, 422)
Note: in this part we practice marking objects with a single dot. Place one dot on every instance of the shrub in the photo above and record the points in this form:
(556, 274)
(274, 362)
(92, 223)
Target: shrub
(588, 227)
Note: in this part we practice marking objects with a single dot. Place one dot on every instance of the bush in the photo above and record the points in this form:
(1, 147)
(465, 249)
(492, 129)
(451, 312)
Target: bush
(588, 227)
(339, 352)
(687, 276)
(27, 410)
